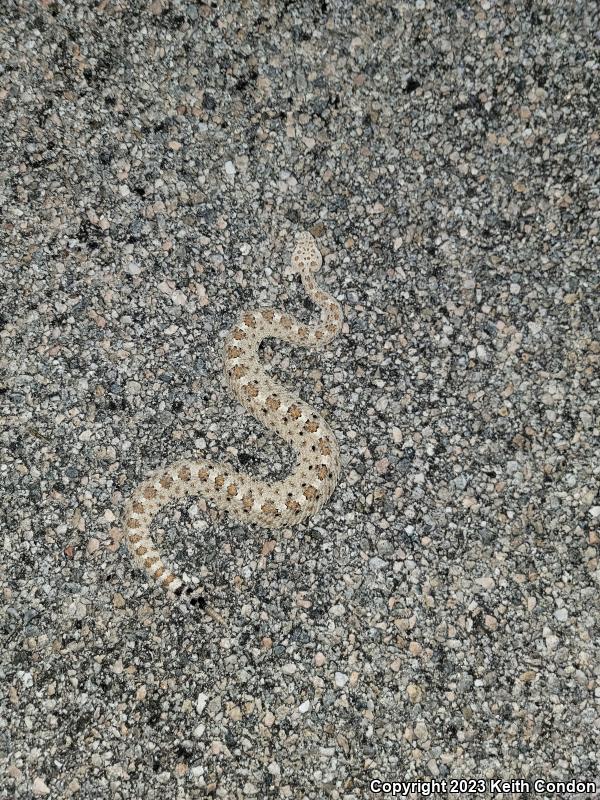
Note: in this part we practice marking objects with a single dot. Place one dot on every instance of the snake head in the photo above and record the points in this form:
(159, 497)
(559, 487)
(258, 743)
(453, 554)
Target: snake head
(306, 257)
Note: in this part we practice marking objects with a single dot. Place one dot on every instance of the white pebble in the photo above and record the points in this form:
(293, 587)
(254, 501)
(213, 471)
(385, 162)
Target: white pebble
(133, 387)
(40, 788)
(341, 679)
(26, 679)
(201, 702)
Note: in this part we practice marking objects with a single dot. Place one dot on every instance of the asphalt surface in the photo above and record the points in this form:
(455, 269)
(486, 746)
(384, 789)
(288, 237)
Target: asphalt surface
(439, 619)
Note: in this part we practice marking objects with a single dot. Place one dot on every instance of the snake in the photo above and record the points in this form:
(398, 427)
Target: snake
(268, 504)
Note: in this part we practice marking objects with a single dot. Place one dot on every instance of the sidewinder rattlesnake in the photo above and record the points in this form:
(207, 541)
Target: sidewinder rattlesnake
(270, 505)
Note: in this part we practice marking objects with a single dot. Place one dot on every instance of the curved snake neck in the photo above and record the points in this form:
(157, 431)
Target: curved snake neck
(271, 505)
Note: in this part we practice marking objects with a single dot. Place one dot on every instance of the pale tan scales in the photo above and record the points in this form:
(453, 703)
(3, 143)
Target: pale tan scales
(271, 505)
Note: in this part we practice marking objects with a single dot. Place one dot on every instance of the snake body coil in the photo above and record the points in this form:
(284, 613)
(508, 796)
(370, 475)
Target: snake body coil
(270, 505)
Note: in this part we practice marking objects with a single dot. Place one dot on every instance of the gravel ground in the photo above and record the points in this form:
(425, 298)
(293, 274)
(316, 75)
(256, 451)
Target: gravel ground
(440, 617)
